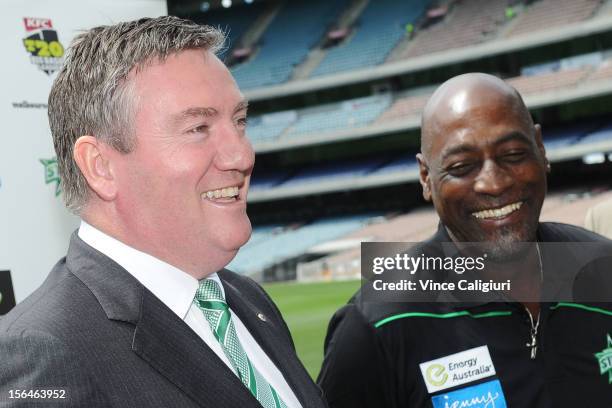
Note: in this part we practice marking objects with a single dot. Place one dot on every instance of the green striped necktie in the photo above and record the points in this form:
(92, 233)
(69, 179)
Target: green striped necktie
(209, 298)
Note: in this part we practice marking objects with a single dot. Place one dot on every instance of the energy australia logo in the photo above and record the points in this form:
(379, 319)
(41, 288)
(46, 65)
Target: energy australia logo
(456, 369)
(604, 358)
(52, 174)
(436, 374)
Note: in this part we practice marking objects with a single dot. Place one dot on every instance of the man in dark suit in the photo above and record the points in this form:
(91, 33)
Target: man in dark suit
(149, 130)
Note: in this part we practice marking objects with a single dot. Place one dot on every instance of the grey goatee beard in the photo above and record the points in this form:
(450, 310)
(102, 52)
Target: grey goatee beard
(509, 245)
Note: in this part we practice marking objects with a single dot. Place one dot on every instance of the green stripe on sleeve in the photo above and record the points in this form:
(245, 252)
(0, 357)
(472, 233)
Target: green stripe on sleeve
(441, 316)
(583, 307)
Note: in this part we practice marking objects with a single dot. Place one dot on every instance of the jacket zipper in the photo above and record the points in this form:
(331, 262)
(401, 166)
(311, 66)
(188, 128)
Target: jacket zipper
(533, 344)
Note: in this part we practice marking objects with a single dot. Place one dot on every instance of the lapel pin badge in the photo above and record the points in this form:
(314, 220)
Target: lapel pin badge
(262, 317)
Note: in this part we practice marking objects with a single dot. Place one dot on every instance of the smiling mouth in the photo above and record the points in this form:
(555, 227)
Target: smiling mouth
(497, 213)
(225, 194)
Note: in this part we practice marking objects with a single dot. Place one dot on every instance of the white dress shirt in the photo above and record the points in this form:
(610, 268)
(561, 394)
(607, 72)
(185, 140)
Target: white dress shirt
(177, 289)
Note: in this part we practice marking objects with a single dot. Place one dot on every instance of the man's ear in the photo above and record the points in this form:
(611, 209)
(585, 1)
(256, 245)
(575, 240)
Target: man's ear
(540, 144)
(90, 155)
(424, 177)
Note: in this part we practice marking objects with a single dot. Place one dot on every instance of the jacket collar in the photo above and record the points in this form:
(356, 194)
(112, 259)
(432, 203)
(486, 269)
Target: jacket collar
(119, 293)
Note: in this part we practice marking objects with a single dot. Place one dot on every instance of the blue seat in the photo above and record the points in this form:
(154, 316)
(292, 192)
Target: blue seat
(333, 171)
(400, 164)
(556, 138)
(381, 26)
(600, 135)
(234, 22)
(265, 181)
(347, 114)
(270, 126)
(297, 27)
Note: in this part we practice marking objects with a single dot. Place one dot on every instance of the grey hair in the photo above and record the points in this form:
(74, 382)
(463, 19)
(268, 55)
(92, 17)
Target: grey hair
(92, 94)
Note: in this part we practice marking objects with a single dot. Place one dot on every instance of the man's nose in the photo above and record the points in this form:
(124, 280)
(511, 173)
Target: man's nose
(492, 180)
(234, 150)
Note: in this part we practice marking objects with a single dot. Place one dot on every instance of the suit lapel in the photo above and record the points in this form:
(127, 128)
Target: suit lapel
(170, 346)
(273, 342)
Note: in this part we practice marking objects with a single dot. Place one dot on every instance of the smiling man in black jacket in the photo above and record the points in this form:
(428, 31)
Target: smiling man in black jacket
(483, 165)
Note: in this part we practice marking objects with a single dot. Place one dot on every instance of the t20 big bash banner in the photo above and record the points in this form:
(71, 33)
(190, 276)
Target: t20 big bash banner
(35, 225)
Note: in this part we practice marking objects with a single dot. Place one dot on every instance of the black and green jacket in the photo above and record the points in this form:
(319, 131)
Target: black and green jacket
(373, 349)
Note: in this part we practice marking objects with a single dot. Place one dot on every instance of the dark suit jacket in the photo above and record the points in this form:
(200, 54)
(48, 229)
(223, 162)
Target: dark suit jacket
(94, 331)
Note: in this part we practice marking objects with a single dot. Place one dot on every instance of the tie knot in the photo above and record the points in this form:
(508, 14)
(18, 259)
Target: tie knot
(209, 291)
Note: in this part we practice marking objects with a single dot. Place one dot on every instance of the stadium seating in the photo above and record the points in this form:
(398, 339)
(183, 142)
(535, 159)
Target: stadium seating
(334, 171)
(400, 164)
(381, 109)
(233, 22)
(414, 226)
(600, 135)
(347, 114)
(556, 138)
(412, 105)
(604, 71)
(306, 21)
(420, 224)
(324, 118)
(527, 85)
(591, 131)
(265, 180)
(404, 107)
(469, 22)
(381, 26)
(262, 233)
(546, 14)
(571, 207)
(378, 32)
(275, 248)
(266, 132)
(270, 126)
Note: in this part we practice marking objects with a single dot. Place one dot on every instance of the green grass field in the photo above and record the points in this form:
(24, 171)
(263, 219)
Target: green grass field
(307, 308)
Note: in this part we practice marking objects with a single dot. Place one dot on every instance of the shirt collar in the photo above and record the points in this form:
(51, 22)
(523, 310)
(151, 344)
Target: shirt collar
(175, 288)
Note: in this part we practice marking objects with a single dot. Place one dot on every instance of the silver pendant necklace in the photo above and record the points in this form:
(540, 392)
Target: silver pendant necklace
(533, 344)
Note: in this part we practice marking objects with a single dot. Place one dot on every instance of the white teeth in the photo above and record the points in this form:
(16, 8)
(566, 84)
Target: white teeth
(226, 192)
(498, 212)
